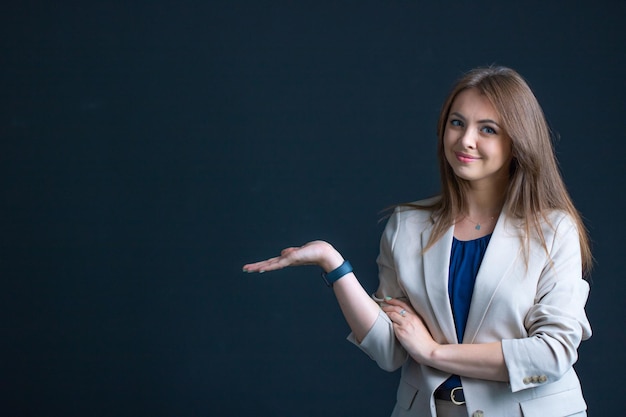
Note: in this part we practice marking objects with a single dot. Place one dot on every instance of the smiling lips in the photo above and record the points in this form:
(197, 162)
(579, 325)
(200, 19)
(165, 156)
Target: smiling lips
(465, 158)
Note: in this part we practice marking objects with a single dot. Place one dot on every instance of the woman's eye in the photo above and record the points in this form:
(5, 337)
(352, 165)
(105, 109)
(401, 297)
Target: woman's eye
(489, 130)
(456, 122)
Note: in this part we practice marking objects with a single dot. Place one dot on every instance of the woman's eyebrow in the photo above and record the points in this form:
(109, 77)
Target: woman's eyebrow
(489, 121)
(460, 116)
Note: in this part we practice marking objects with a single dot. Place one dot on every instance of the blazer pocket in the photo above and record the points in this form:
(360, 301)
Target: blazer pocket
(566, 403)
(406, 395)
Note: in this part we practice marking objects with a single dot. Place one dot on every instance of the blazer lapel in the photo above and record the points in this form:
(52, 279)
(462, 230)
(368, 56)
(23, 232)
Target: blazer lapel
(503, 249)
(436, 270)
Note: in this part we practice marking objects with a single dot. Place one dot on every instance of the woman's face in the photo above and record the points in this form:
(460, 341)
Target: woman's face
(476, 146)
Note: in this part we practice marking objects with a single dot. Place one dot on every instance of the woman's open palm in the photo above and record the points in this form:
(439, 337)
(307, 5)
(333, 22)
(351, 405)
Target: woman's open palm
(312, 253)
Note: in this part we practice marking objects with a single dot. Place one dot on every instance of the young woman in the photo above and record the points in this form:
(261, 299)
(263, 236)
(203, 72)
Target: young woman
(481, 296)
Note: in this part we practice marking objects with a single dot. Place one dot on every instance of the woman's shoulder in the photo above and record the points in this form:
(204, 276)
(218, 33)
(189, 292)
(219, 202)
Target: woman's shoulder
(551, 223)
(426, 205)
(554, 219)
(419, 210)
(409, 219)
(558, 222)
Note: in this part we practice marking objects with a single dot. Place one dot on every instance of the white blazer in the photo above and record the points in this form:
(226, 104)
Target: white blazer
(535, 307)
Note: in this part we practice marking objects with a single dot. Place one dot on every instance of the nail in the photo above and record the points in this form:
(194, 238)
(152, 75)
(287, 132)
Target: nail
(387, 298)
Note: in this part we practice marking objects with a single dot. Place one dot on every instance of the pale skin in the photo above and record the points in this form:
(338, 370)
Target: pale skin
(479, 152)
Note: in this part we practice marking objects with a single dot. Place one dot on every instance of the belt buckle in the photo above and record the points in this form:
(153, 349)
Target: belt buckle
(454, 401)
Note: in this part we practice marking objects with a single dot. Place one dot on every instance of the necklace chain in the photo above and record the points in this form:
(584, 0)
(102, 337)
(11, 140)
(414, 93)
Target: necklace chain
(477, 224)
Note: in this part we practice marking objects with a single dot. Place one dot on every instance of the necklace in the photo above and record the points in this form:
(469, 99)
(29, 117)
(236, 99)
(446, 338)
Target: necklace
(477, 224)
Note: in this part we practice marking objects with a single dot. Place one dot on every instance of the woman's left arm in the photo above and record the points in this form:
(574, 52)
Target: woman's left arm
(556, 324)
(482, 361)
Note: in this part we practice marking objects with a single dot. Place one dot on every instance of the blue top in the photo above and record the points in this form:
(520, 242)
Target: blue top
(465, 259)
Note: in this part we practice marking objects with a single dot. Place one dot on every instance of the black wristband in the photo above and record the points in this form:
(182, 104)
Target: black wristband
(332, 276)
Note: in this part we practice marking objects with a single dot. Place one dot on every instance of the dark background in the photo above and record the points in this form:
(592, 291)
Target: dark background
(149, 150)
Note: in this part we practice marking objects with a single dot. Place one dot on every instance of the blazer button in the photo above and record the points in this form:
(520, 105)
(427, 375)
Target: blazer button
(543, 378)
(527, 380)
(535, 379)
(478, 413)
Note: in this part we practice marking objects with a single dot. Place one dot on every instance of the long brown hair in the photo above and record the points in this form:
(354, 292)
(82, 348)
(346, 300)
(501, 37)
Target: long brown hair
(535, 183)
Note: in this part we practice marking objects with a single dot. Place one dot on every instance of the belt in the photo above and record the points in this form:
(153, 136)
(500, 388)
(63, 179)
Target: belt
(455, 395)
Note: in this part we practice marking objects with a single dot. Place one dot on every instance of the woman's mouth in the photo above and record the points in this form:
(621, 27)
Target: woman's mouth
(465, 158)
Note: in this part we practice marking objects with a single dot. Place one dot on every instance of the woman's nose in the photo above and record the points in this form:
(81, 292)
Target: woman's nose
(468, 139)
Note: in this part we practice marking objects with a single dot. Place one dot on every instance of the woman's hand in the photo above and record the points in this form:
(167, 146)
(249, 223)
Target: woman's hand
(410, 330)
(317, 252)
(356, 304)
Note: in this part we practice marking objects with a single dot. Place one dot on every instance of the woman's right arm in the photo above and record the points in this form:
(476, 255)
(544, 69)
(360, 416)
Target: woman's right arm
(359, 309)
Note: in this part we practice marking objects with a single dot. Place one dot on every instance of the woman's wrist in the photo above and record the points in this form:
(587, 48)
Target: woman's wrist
(331, 260)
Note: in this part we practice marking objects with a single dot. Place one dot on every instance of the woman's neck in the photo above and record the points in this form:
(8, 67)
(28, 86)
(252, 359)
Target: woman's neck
(481, 203)
(480, 217)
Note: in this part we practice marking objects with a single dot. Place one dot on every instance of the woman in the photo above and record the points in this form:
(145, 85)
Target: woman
(481, 296)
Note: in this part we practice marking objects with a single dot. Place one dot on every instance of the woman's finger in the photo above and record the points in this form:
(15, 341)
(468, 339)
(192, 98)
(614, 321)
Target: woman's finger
(394, 309)
(271, 264)
(396, 314)
(398, 303)
(288, 257)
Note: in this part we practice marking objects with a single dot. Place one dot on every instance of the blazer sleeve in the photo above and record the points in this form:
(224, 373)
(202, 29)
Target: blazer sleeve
(556, 323)
(380, 343)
